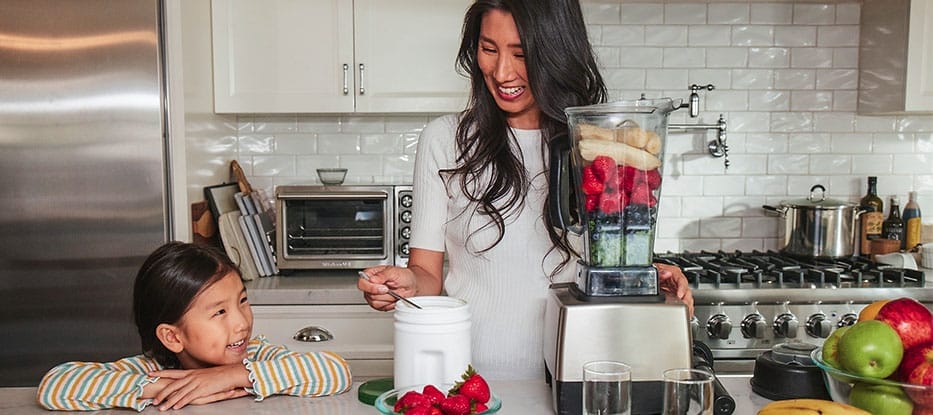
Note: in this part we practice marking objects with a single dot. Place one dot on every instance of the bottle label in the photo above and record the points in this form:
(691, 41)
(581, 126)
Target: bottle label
(912, 232)
(871, 224)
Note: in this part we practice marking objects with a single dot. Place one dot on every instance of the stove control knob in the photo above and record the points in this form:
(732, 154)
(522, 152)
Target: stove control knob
(754, 326)
(819, 326)
(847, 319)
(785, 325)
(719, 327)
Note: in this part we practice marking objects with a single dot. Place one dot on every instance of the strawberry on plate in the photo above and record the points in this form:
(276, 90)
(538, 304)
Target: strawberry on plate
(473, 386)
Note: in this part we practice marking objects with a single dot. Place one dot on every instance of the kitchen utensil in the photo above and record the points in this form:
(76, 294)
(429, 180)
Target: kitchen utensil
(787, 372)
(432, 345)
(332, 177)
(817, 227)
(607, 388)
(385, 403)
(840, 383)
(688, 392)
(394, 295)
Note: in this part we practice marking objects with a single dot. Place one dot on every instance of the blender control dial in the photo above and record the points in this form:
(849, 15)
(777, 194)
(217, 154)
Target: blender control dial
(819, 326)
(754, 326)
(719, 327)
(847, 319)
(785, 325)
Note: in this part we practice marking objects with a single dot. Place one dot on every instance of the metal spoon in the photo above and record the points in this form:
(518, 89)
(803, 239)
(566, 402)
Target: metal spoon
(395, 295)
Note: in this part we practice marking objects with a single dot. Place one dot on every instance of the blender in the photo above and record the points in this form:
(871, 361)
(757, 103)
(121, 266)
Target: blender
(605, 178)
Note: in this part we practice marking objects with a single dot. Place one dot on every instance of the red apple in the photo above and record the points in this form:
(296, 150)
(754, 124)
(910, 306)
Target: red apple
(917, 364)
(911, 320)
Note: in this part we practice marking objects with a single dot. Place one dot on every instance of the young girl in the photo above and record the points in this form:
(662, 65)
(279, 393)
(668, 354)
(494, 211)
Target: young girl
(195, 323)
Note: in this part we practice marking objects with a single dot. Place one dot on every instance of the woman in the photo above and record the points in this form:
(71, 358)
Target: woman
(480, 182)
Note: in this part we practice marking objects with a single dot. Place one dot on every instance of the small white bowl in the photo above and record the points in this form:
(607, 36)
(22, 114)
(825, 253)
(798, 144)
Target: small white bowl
(332, 176)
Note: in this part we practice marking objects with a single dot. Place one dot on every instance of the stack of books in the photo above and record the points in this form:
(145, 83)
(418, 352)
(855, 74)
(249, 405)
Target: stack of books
(256, 224)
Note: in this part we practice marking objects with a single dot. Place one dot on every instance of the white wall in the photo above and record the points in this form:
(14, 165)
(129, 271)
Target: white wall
(786, 79)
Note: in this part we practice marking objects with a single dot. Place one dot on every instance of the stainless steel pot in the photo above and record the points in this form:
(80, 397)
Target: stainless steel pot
(817, 227)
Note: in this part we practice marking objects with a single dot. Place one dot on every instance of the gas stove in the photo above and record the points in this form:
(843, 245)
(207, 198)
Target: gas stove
(746, 302)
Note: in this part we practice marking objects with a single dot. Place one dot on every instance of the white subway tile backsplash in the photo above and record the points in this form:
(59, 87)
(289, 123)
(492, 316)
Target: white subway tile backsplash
(786, 80)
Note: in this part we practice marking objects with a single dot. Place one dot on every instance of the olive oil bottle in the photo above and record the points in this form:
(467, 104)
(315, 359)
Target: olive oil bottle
(873, 217)
(912, 222)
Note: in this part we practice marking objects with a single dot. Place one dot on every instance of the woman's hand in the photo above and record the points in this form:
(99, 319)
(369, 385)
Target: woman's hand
(199, 386)
(385, 278)
(674, 284)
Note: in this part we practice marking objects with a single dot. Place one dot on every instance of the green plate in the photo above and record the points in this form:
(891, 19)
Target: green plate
(371, 389)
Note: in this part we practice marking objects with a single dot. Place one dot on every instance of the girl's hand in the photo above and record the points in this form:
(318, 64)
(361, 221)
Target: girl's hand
(381, 280)
(674, 284)
(200, 386)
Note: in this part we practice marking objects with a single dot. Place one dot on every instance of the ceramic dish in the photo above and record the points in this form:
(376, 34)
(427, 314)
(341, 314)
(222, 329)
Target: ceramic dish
(385, 403)
(840, 383)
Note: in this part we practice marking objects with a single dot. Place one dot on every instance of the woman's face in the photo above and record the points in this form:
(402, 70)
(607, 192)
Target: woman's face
(502, 61)
(216, 328)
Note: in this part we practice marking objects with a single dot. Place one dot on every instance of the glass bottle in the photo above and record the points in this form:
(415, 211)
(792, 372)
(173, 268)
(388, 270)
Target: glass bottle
(873, 217)
(912, 222)
(893, 226)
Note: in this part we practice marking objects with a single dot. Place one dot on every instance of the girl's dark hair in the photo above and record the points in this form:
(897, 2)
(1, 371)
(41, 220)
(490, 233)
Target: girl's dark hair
(166, 285)
(562, 72)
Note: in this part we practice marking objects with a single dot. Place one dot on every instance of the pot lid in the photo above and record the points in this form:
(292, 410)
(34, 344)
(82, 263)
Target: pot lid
(818, 200)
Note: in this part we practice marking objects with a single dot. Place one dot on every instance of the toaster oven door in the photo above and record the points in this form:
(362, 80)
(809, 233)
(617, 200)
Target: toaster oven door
(337, 229)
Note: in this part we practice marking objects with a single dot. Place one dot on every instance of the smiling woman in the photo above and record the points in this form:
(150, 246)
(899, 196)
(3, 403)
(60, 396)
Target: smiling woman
(195, 323)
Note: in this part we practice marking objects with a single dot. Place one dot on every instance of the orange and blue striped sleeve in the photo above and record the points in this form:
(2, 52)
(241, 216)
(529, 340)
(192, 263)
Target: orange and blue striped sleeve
(85, 386)
(275, 370)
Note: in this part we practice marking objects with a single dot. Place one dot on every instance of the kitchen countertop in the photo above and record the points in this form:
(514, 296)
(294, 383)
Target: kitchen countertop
(518, 398)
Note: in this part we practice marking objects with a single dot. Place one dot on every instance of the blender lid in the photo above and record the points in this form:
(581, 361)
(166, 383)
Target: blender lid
(641, 106)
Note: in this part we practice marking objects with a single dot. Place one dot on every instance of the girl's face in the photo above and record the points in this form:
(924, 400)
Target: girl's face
(502, 61)
(216, 328)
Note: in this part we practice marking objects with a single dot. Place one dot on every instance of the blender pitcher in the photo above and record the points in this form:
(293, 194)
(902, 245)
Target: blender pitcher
(605, 184)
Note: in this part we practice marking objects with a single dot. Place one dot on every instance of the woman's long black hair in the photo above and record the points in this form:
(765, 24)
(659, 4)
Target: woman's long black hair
(562, 72)
(167, 283)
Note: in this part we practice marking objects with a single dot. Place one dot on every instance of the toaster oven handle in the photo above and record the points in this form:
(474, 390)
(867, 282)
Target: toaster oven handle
(334, 195)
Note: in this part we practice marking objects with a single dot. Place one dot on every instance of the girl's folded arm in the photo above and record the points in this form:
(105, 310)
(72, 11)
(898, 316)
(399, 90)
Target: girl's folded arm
(91, 385)
(276, 370)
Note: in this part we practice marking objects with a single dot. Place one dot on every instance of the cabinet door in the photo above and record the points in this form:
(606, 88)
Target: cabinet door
(361, 335)
(282, 55)
(408, 50)
(919, 92)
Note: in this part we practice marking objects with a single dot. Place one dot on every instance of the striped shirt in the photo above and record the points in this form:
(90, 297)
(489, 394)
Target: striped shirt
(273, 370)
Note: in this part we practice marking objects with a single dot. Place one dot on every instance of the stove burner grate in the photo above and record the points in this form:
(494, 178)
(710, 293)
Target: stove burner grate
(756, 269)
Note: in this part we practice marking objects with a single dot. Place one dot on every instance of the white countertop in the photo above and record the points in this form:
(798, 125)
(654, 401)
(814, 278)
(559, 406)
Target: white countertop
(518, 398)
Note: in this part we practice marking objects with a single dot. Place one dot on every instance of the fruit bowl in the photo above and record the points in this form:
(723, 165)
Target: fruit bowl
(840, 385)
(385, 403)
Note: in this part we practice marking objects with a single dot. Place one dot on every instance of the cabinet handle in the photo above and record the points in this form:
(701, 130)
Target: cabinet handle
(362, 89)
(313, 334)
(346, 87)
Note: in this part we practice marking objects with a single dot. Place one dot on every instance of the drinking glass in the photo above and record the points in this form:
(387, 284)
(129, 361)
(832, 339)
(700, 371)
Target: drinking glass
(688, 392)
(607, 388)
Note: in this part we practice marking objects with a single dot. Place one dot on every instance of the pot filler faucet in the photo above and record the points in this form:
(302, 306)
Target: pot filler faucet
(717, 147)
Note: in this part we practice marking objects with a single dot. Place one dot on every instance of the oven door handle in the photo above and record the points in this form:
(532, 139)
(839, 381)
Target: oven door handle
(334, 195)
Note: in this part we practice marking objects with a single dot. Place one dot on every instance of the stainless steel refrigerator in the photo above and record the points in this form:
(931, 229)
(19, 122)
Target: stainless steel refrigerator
(83, 177)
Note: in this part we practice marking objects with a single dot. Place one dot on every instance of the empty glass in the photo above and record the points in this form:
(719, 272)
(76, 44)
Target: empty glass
(688, 392)
(607, 388)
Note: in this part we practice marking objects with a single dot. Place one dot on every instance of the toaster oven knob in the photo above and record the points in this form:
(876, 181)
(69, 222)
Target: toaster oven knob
(405, 217)
(719, 327)
(403, 249)
(405, 232)
(847, 319)
(785, 325)
(754, 326)
(819, 326)
(405, 200)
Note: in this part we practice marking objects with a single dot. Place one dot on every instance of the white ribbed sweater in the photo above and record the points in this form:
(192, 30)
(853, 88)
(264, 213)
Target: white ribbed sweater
(505, 286)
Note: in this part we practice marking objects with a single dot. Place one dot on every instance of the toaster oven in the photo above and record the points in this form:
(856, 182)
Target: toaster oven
(342, 227)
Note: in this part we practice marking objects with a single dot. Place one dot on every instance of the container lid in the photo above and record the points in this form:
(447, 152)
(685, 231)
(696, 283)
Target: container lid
(371, 389)
(639, 106)
(818, 200)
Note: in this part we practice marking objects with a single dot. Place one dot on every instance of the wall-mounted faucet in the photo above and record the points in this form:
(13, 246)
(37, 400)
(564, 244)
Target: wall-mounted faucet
(717, 147)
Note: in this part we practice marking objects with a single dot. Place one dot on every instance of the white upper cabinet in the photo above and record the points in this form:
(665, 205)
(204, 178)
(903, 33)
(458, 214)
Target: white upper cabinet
(336, 56)
(896, 57)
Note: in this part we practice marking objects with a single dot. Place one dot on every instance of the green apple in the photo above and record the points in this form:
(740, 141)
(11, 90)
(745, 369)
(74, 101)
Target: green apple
(880, 399)
(871, 349)
(831, 347)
